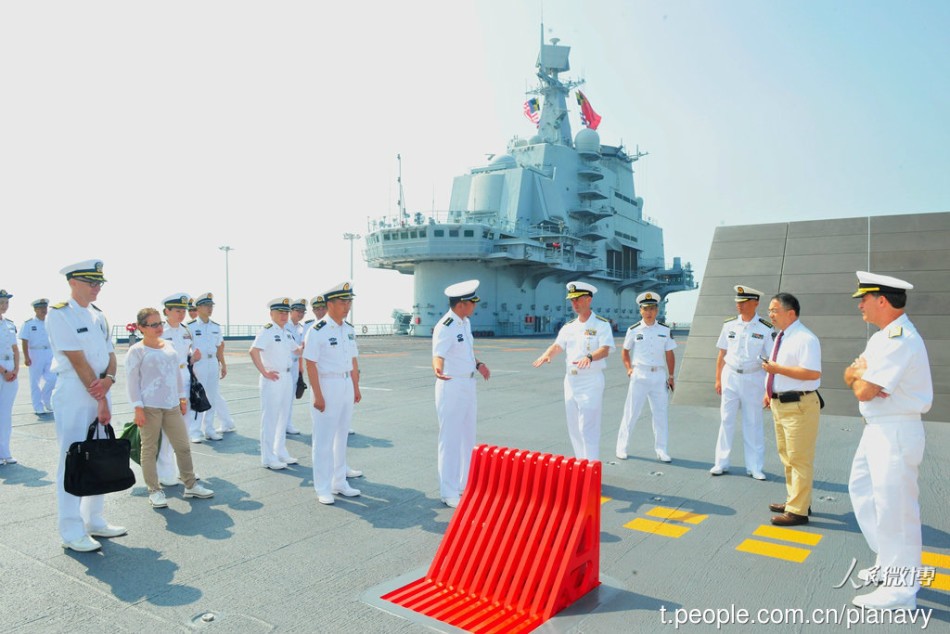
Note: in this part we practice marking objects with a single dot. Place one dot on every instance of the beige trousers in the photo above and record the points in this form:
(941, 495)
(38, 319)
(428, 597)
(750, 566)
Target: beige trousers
(796, 434)
(169, 421)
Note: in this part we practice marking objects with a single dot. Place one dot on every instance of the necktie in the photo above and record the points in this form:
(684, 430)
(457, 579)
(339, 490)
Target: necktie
(771, 380)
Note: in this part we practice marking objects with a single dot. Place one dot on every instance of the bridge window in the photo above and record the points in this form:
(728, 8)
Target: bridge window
(453, 233)
(439, 233)
(469, 233)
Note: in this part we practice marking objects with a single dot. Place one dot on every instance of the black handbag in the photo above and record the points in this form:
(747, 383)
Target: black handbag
(98, 465)
(301, 386)
(198, 399)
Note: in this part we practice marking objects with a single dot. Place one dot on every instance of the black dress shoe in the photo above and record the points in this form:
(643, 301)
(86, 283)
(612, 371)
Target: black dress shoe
(780, 508)
(789, 519)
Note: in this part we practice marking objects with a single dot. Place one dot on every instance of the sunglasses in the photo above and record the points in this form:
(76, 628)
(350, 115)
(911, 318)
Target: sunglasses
(154, 325)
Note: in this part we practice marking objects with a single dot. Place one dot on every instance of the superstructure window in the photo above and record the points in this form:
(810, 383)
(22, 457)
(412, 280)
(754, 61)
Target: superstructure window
(469, 233)
(453, 233)
(438, 233)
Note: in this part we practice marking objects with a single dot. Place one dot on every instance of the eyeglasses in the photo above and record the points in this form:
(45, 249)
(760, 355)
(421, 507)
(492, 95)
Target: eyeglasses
(93, 283)
(155, 325)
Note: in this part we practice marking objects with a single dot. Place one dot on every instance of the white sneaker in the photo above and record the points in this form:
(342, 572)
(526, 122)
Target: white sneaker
(157, 499)
(451, 502)
(350, 432)
(622, 455)
(758, 475)
(885, 599)
(198, 491)
(325, 499)
(214, 436)
(347, 492)
(196, 439)
(662, 456)
(353, 473)
(293, 432)
(84, 544)
(226, 430)
(10, 460)
(290, 460)
(275, 466)
(717, 470)
(108, 531)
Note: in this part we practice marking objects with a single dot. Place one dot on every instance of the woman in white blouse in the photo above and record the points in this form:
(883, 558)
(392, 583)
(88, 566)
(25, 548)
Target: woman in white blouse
(157, 393)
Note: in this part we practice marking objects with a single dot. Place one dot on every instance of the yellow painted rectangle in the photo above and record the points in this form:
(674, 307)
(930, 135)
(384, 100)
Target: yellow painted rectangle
(676, 514)
(787, 535)
(776, 551)
(935, 560)
(658, 528)
(940, 582)
(603, 499)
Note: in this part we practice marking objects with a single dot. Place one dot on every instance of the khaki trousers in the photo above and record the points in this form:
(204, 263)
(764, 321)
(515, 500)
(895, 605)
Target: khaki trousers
(169, 421)
(796, 433)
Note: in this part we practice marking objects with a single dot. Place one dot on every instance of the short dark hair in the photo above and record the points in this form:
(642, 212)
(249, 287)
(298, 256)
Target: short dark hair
(896, 300)
(453, 301)
(789, 302)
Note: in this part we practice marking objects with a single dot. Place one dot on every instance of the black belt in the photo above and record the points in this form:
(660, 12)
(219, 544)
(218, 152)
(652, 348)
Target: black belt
(790, 397)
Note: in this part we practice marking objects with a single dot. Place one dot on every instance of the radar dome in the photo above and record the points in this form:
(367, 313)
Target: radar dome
(587, 141)
(505, 160)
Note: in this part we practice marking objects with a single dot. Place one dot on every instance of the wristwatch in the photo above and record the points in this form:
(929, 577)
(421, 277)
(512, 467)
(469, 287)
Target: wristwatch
(590, 357)
(107, 376)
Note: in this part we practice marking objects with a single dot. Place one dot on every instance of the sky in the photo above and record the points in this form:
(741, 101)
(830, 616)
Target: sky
(149, 134)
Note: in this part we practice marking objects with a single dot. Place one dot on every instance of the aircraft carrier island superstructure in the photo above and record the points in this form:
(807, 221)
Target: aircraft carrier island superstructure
(552, 209)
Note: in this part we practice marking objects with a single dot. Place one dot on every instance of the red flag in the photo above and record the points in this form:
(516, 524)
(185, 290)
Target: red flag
(588, 117)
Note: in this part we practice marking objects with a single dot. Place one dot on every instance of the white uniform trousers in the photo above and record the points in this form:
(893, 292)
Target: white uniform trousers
(208, 374)
(583, 404)
(222, 414)
(883, 487)
(645, 386)
(74, 409)
(166, 465)
(455, 406)
(40, 373)
(330, 430)
(294, 374)
(275, 407)
(742, 392)
(8, 390)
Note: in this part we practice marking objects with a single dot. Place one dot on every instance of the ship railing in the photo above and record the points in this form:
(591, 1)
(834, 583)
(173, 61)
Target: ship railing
(247, 332)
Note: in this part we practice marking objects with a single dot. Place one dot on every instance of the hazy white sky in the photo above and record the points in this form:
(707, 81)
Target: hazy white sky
(149, 134)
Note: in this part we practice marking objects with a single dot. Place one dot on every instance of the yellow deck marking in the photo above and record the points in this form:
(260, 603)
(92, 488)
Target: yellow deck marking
(777, 551)
(604, 500)
(935, 560)
(657, 528)
(676, 514)
(940, 582)
(787, 535)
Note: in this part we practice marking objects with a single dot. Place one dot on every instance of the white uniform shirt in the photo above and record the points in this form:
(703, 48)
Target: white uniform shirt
(296, 332)
(897, 361)
(649, 344)
(276, 346)
(180, 339)
(799, 348)
(34, 333)
(153, 376)
(452, 340)
(746, 341)
(331, 346)
(580, 339)
(72, 327)
(7, 344)
(206, 337)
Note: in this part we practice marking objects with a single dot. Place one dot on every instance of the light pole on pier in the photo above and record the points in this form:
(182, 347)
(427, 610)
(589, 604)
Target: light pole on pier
(227, 288)
(352, 237)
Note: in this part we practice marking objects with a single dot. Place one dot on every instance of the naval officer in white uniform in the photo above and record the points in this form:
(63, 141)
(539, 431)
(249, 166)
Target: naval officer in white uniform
(38, 356)
(273, 353)
(330, 353)
(648, 357)
(745, 340)
(9, 383)
(586, 342)
(84, 362)
(209, 369)
(455, 367)
(296, 327)
(891, 380)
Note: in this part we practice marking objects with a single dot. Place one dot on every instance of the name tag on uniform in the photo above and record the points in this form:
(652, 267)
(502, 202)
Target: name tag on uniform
(32, 327)
(664, 336)
(639, 337)
(276, 337)
(198, 333)
(732, 334)
(83, 329)
(756, 335)
(332, 341)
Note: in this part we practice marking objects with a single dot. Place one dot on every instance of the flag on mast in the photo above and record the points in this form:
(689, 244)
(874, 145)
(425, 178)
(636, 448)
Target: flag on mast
(532, 110)
(588, 117)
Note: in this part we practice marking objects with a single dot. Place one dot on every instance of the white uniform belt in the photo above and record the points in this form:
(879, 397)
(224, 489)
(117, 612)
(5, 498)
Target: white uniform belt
(896, 418)
(576, 371)
(651, 368)
(757, 367)
(334, 375)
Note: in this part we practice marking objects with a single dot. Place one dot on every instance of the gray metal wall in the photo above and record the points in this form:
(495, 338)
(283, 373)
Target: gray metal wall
(816, 261)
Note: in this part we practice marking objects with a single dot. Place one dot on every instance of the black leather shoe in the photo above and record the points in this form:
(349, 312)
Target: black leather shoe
(789, 519)
(780, 508)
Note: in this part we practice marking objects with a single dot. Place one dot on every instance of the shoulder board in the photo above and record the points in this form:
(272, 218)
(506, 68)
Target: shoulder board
(320, 324)
(635, 325)
(896, 331)
(448, 321)
(347, 323)
(211, 321)
(766, 322)
(185, 327)
(728, 319)
(309, 321)
(662, 323)
(60, 305)
(192, 321)
(571, 321)
(602, 318)
(266, 326)
(96, 307)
